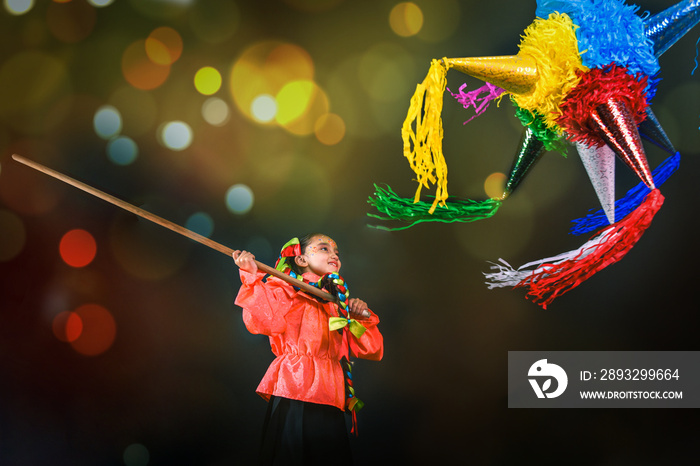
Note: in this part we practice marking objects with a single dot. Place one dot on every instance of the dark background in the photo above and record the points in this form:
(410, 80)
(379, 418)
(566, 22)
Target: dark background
(179, 379)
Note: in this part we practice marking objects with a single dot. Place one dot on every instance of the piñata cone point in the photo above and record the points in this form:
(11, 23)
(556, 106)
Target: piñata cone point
(600, 166)
(514, 73)
(531, 149)
(651, 130)
(665, 28)
(618, 129)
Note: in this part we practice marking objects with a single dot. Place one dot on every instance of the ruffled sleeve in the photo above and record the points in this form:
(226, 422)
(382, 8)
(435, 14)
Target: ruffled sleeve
(371, 344)
(264, 304)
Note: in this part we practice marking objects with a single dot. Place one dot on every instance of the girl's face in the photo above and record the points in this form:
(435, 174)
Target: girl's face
(321, 256)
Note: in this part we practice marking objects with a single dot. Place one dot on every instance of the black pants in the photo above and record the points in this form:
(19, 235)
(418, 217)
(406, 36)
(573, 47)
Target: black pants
(301, 433)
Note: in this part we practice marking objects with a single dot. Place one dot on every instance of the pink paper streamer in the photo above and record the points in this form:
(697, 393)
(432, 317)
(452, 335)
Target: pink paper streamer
(478, 99)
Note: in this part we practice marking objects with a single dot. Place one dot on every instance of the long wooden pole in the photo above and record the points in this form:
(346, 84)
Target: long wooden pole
(170, 225)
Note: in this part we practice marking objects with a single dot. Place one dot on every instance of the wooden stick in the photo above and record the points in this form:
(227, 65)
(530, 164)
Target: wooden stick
(170, 225)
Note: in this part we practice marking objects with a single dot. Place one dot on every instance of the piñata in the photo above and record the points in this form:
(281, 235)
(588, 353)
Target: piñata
(585, 75)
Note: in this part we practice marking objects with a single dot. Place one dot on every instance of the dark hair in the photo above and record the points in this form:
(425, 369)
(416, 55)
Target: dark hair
(303, 244)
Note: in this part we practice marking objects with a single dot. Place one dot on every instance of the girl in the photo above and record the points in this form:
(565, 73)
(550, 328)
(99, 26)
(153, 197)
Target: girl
(309, 384)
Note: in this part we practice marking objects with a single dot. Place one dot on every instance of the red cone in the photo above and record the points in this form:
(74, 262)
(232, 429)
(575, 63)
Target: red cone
(617, 127)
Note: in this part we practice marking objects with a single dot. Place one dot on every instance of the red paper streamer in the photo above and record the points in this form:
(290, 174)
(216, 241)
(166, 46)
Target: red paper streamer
(553, 280)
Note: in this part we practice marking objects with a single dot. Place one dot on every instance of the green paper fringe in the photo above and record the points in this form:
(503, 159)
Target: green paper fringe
(386, 201)
(551, 140)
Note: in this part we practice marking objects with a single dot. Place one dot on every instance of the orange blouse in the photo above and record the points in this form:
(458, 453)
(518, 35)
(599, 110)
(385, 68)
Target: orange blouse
(308, 353)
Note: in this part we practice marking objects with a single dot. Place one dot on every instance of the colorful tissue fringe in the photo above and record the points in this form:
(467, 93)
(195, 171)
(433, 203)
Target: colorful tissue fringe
(552, 42)
(422, 145)
(550, 278)
(594, 89)
(478, 99)
(396, 208)
(596, 63)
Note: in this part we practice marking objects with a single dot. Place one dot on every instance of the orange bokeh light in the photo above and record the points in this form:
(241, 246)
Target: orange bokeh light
(77, 248)
(164, 46)
(139, 70)
(98, 332)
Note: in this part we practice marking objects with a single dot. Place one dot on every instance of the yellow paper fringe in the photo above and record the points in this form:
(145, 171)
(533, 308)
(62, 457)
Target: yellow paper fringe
(552, 43)
(423, 146)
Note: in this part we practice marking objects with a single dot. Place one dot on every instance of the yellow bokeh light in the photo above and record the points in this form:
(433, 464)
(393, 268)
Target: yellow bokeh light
(264, 69)
(293, 100)
(406, 19)
(207, 80)
(330, 129)
(494, 185)
(299, 106)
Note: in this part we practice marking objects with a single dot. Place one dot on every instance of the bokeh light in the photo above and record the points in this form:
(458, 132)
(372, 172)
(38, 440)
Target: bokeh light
(164, 46)
(239, 199)
(139, 70)
(18, 7)
(107, 122)
(207, 80)
(98, 332)
(70, 22)
(293, 100)
(299, 105)
(264, 108)
(406, 19)
(100, 3)
(176, 135)
(264, 69)
(77, 248)
(495, 185)
(215, 111)
(13, 235)
(201, 223)
(67, 326)
(329, 129)
(122, 150)
(136, 455)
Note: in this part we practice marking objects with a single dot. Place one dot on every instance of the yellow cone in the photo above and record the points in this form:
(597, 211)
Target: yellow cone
(516, 74)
